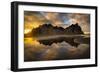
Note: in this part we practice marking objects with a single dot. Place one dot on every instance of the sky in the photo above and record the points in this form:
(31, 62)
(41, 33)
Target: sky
(33, 19)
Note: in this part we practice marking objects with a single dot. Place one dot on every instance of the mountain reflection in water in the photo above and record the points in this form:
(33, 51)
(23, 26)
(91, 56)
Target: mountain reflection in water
(59, 48)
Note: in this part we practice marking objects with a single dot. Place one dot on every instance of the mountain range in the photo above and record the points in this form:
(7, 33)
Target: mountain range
(49, 30)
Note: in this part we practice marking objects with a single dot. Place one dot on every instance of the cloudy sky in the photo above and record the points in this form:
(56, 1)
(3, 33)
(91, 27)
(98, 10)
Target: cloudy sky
(33, 19)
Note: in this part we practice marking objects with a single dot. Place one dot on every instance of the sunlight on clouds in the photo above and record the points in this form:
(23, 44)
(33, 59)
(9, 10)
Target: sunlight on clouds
(27, 31)
(35, 19)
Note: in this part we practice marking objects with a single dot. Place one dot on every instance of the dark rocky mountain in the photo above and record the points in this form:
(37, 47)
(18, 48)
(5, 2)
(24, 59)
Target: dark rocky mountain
(74, 29)
(48, 29)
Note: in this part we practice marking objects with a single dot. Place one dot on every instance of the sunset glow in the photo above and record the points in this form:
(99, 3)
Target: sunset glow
(56, 36)
(27, 31)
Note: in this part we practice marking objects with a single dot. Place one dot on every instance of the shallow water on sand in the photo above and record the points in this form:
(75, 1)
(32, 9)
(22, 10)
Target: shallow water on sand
(57, 48)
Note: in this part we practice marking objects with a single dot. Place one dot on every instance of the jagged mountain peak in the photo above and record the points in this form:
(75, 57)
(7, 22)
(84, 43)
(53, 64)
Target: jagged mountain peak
(49, 30)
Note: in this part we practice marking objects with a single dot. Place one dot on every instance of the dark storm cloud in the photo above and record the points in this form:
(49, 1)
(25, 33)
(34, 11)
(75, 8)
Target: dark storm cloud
(33, 15)
(82, 19)
(59, 19)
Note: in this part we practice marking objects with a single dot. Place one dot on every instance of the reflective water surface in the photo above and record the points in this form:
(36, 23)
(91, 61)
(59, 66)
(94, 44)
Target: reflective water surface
(61, 47)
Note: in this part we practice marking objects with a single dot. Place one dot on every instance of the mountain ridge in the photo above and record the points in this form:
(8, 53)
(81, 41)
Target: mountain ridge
(49, 29)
